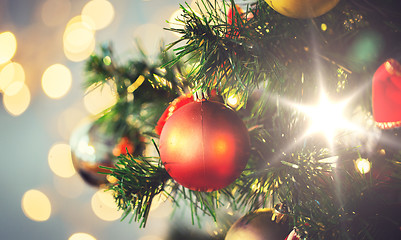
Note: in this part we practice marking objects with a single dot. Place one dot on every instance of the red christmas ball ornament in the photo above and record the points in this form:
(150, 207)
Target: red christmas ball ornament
(386, 95)
(174, 105)
(204, 146)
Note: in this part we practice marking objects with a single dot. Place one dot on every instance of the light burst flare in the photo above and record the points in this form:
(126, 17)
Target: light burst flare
(326, 117)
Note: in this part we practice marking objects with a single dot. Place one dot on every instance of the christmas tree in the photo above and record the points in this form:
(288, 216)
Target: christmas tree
(286, 112)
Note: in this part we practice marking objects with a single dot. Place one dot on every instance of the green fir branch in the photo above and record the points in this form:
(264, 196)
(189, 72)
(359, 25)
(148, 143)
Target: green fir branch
(268, 60)
(268, 47)
(139, 181)
(136, 110)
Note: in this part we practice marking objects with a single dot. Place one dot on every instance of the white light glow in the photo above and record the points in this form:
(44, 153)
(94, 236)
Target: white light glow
(327, 117)
(81, 236)
(56, 81)
(362, 165)
(8, 46)
(232, 101)
(36, 205)
(60, 162)
(100, 12)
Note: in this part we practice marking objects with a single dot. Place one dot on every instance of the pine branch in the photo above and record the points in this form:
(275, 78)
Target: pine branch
(143, 89)
(272, 47)
(139, 181)
(268, 59)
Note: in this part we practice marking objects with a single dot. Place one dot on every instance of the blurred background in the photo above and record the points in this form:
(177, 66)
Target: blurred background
(43, 48)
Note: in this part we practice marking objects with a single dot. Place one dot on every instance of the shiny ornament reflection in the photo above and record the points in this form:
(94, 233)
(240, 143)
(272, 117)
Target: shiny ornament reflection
(302, 8)
(204, 146)
(92, 147)
(263, 224)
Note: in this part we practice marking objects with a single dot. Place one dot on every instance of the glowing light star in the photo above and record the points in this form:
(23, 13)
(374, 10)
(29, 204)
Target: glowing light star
(326, 117)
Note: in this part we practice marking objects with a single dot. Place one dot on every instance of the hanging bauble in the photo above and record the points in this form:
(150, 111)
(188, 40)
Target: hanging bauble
(386, 95)
(262, 224)
(204, 146)
(302, 8)
(92, 147)
(174, 105)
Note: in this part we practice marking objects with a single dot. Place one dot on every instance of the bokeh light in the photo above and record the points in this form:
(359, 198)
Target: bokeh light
(12, 78)
(80, 56)
(60, 161)
(81, 236)
(107, 60)
(323, 26)
(99, 98)
(158, 201)
(14, 88)
(19, 102)
(104, 206)
(36, 205)
(56, 81)
(101, 12)
(366, 48)
(79, 38)
(55, 12)
(8, 46)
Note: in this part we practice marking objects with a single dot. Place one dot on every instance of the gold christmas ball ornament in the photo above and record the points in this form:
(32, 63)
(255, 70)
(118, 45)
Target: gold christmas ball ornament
(262, 224)
(302, 8)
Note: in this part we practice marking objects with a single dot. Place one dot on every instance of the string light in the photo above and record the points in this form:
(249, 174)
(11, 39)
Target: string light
(362, 165)
(232, 101)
